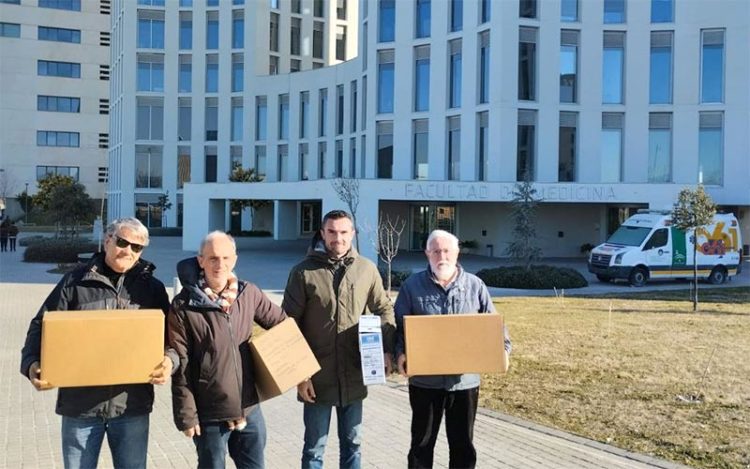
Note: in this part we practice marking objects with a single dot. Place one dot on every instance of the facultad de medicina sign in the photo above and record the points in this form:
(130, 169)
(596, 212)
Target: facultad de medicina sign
(504, 191)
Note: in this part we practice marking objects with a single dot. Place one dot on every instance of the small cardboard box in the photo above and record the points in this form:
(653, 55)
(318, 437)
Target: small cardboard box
(101, 347)
(282, 359)
(454, 344)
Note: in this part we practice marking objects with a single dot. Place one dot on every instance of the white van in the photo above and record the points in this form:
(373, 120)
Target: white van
(647, 246)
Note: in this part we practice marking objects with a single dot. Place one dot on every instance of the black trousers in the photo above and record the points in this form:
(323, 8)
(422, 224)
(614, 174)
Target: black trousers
(427, 409)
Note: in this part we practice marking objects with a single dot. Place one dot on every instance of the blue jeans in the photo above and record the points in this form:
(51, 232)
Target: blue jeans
(317, 421)
(127, 438)
(245, 446)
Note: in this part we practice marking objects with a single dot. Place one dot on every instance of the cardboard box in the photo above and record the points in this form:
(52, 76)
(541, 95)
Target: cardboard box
(282, 359)
(101, 347)
(454, 344)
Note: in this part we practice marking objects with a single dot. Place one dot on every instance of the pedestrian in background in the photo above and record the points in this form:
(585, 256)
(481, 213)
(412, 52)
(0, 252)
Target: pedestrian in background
(12, 235)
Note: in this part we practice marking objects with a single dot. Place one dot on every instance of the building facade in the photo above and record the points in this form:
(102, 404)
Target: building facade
(54, 104)
(438, 110)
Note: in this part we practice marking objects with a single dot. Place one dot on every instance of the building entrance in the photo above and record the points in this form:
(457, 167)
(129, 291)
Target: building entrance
(428, 217)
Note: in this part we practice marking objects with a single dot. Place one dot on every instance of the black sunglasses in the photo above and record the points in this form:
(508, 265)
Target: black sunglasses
(123, 243)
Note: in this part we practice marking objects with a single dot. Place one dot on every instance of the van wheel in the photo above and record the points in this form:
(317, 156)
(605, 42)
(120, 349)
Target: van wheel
(603, 278)
(638, 277)
(718, 276)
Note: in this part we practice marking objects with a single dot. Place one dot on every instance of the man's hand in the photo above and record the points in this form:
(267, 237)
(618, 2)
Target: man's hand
(162, 371)
(238, 425)
(388, 359)
(306, 391)
(401, 363)
(34, 373)
(191, 432)
(507, 361)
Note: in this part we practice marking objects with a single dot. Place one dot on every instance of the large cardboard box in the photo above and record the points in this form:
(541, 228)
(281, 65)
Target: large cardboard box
(454, 344)
(282, 359)
(101, 347)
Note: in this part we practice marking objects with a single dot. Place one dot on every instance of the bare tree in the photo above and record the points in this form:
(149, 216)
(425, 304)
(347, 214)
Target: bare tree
(347, 190)
(387, 239)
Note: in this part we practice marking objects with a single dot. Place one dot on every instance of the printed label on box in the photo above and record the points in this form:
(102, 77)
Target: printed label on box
(371, 350)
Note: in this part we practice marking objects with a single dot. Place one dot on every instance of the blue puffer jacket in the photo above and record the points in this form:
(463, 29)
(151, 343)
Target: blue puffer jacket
(421, 294)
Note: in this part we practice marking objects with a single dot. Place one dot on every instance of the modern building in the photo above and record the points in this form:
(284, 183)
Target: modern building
(439, 110)
(54, 92)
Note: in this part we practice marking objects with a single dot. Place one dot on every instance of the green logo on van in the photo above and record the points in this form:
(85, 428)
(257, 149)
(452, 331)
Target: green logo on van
(679, 251)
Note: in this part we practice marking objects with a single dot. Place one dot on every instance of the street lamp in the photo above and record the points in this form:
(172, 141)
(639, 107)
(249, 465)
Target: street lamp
(26, 206)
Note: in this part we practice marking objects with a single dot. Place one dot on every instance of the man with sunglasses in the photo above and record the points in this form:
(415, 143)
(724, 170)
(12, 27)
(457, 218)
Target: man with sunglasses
(114, 279)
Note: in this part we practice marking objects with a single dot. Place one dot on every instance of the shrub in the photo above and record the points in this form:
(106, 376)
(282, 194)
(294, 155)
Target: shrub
(539, 277)
(57, 250)
(250, 234)
(397, 276)
(31, 240)
(159, 231)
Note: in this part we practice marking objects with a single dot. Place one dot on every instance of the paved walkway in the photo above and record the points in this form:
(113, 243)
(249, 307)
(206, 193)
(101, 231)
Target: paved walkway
(30, 430)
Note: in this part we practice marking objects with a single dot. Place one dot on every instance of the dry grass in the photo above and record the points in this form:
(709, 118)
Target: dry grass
(651, 376)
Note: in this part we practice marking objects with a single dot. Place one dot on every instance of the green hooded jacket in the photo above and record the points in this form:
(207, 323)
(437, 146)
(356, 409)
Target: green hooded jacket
(326, 297)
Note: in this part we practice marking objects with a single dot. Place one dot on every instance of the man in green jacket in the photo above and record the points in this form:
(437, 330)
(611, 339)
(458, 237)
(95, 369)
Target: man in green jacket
(326, 294)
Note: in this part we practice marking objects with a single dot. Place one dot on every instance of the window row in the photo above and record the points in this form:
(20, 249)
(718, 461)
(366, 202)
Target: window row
(58, 104)
(44, 171)
(58, 69)
(423, 16)
(51, 138)
(613, 11)
(46, 33)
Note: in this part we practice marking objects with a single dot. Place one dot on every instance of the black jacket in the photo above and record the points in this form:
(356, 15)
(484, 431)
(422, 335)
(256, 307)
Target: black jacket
(85, 288)
(215, 381)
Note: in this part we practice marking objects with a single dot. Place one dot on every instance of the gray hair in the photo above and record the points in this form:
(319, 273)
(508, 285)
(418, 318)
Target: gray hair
(133, 224)
(441, 234)
(213, 235)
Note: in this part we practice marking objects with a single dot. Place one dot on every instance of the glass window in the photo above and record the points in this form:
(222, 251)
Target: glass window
(238, 73)
(420, 150)
(527, 64)
(322, 112)
(613, 67)
(212, 120)
(283, 166)
(58, 104)
(295, 36)
(305, 162)
(283, 116)
(212, 31)
(353, 107)
(148, 169)
(185, 78)
(261, 118)
(387, 20)
(273, 32)
(211, 168)
(660, 79)
(569, 10)
(567, 149)
(183, 166)
(385, 150)
(364, 103)
(45, 33)
(526, 145)
(237, 114)
(711, 148)
(186, 32)
(385, 81)
(614, 11)
(149, 120)
(457, 15)
(341, 9)
(260, 161)
(49, 68)
(153, 3)
(238, 32)
(485, 8)
(423, 18)
(296, 6)
(322, 150)
(454, 148)
(712, 66)
(273, 65)
(304, 113)
(339, 109)
(527, 8)
(611, 148)
(44, 171)
(569, 66)
(662, 11)
(11, 30)
(422, 78)
(212, 74)
(318, 8)
(72, 5)
(454, 83)
(340, 42)
(660, 147)
(484, 67)
(338, 170)
(51, 138)
(184, 121)
(150, 33)
(483, 146)
(150, 76)
(317, 40)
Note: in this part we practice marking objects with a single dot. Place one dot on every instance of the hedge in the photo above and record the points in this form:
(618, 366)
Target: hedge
(397, 276)
(57, 250)
(539, 277)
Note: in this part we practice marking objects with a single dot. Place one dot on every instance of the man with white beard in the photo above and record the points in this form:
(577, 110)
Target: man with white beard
(444, 288)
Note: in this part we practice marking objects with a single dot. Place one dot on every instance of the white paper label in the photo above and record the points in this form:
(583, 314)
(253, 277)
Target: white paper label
(371, 350)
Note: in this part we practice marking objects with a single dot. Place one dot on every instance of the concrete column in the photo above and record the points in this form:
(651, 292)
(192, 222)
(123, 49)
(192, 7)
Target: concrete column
(194, 231)
(285, 219)
(216, 215)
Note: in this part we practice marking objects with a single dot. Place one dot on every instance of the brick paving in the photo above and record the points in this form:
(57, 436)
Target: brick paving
(30, 430)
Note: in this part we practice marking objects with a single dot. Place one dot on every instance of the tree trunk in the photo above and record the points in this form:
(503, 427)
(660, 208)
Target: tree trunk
(695, 275)
(388, 279)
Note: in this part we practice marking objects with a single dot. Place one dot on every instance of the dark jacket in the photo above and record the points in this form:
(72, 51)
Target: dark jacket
(85, 288)
(326, 297)
(422, 294)
(215, 381)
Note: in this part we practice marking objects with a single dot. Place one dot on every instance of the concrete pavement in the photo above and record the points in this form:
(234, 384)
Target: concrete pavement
(30, 430)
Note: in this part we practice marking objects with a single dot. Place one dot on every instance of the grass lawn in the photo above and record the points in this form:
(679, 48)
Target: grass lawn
(651, 376)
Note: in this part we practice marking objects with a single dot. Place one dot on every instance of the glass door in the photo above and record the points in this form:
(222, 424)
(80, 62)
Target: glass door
(428, 217)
